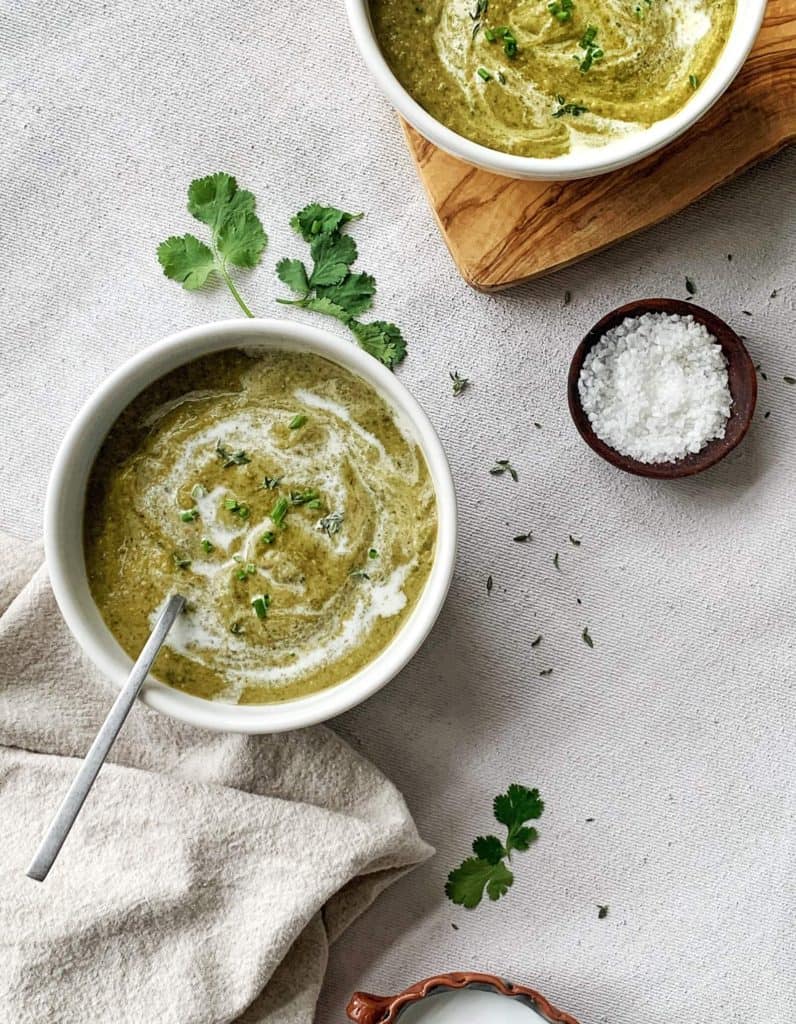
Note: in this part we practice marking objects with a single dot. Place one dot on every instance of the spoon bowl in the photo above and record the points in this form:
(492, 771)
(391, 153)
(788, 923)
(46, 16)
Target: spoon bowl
(742, 383)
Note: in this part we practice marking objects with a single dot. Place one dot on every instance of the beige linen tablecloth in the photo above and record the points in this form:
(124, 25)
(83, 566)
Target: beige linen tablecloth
(206, 875)
(666, 753)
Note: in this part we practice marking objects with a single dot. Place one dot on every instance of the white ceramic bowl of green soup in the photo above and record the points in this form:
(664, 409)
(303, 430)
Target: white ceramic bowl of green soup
(290, 487)
(553, 89)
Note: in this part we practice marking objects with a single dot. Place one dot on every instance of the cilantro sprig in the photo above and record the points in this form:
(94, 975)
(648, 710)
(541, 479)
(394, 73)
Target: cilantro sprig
(488, 871)
(237, 237)
(331, 287)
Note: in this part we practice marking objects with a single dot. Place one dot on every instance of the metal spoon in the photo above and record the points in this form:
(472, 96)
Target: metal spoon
(70, 808)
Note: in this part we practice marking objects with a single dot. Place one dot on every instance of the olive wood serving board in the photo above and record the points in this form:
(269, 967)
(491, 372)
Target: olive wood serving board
(501, 231)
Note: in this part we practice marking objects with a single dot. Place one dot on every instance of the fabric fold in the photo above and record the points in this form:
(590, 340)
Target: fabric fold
(207, 873)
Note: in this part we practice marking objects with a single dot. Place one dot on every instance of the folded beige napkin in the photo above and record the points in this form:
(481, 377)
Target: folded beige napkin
(207, 873)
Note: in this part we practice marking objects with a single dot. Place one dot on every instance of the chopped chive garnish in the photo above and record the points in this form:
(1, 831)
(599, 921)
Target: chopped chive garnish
(693, 81)
(236, 507)
(298, 421)
(279, 511)
(236, 628)
(197, 492)
(248, 570)
(261, 605)
(207, 545)
(268, 537)
(359, 574)
(188, 515)
(373, 553)
(484, 74)
(303, 497)
(561, 9)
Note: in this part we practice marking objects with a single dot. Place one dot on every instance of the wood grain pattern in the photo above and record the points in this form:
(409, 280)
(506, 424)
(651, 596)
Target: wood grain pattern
(501, 231)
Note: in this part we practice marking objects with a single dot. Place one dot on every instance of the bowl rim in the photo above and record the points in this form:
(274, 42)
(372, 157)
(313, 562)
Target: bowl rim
(365, 1008)
(586, 162)
(715, 450)
(64, 509)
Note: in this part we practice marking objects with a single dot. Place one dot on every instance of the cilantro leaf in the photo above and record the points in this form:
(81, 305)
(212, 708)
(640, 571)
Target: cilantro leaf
(213, 199)
(331, 287)
(241, 239)
(354, 293)
(187, 260)
(382, 340)
(489, 848)
(294, 274)
(237, 236)
(466, 884)
(522, 838)
(517, 805)
(488, 870)
(320, 220)
(333, 255)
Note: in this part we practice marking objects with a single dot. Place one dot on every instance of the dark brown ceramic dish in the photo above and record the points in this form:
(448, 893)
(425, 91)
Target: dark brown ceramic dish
(368, 1009)
(742, 379)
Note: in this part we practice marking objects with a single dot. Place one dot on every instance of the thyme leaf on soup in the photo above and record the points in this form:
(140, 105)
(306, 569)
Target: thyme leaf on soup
(478, 14)
(207, 545)
(572, 110)
(270, 483)
(504, 466)
(330, 524)
(181, 561)
(359, 574)
(229, 457)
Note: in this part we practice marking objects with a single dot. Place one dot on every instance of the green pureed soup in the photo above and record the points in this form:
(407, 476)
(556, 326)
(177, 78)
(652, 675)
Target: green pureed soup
(281, 496)
(542, 78)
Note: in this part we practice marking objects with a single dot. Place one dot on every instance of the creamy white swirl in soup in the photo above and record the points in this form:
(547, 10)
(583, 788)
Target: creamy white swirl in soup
(543, 77)
(283, 497)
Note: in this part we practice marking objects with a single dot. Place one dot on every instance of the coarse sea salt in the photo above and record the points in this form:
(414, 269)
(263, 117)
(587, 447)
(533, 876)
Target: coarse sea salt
(656, 387)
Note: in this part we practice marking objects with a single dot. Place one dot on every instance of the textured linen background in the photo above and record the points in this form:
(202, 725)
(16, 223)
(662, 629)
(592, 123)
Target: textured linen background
(676, 732)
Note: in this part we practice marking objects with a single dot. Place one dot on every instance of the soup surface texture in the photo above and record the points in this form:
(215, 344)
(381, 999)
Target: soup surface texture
(544, 77)
(281, 496)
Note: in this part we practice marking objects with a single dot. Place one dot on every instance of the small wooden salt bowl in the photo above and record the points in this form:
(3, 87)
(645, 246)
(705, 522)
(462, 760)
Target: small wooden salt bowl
(742, 382)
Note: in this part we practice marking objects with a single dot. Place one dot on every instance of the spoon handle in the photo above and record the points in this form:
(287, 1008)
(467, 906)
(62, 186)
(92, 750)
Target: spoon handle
(103, 741)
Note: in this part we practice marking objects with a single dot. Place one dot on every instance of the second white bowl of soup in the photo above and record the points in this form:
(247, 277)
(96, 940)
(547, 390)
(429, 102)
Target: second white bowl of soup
(553, 89)
(289, 487)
